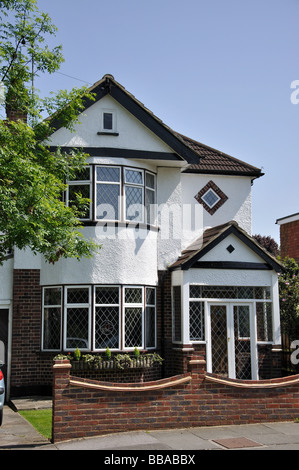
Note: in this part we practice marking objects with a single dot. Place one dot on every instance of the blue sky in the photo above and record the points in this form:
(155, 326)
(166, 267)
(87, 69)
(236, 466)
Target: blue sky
(217, 71)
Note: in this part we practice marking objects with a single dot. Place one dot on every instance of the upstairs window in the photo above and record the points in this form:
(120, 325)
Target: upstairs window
(134, 195)
(108, 121)
(115, 193)
(79, 189)
(108, 191)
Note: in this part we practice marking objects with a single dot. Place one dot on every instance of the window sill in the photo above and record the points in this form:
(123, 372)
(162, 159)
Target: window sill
(127, 224)
(115, 134)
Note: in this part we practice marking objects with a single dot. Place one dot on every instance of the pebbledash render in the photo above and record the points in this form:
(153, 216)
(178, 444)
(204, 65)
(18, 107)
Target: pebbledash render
(178, 272)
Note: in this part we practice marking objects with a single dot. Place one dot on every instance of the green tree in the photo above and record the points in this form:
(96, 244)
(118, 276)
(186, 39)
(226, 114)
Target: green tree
(289, 298)
(32, 179)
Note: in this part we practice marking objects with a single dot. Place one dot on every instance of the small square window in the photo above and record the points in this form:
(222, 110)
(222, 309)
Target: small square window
(210, 198)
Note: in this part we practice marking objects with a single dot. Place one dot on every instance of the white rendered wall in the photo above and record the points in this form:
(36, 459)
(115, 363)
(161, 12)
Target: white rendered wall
(132, 134)
(236, 188)
(126, 257)
(6, 280)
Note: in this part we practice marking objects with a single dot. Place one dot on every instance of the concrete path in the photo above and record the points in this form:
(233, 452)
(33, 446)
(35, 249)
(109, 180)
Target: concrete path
(17, 434)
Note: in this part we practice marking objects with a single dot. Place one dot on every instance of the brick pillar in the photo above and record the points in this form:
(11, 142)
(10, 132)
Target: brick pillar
(197, 365)
(61, 379)
(26, 333)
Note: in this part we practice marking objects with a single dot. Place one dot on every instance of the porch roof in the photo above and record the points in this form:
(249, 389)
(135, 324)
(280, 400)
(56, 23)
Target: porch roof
(214, 235)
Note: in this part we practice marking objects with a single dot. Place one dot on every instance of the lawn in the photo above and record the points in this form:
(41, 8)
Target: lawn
(41, 420)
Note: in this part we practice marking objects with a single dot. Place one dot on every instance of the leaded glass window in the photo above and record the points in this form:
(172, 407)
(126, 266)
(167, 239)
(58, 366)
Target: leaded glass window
(134, 189)
(51, 339)
(108, 193)
(119, 317)
(210, 198)
(133, 308)
(229, 292)
(77, 311)
(107, 317)
(264, 321)
(108, 190)
(79, 193)
(150, 198)
(196, 321)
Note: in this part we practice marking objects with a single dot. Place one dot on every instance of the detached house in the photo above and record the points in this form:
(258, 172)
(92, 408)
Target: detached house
(178, 272)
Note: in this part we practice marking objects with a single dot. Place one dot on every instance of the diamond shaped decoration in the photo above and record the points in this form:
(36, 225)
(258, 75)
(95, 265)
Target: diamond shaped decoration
(211, 197)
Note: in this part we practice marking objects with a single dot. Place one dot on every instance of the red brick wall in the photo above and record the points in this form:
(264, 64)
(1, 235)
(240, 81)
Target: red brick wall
(80, 412)
(26, 331)
(289, 240)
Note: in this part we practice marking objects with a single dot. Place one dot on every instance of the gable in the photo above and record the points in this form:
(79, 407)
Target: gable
(214, 248)
(131, 133)
(167, 144)
(232, 250)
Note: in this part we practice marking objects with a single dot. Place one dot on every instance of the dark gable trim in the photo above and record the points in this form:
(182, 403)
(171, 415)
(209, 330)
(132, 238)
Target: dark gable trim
(108, 86)
(232, 229)
(230, 265)
(151, 123)
(99, 91)
(120, 153)
(223, 172)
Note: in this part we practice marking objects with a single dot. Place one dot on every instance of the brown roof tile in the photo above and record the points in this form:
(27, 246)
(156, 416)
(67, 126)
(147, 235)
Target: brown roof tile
(214, 161)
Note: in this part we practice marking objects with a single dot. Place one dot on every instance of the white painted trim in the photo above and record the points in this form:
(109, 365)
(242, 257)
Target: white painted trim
(230, 336)
(288, 219)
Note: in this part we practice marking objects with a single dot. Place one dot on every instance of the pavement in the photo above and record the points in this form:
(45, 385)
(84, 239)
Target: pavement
(17, 434)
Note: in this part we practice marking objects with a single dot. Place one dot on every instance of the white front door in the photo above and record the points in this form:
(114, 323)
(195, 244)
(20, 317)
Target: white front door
(231, 340)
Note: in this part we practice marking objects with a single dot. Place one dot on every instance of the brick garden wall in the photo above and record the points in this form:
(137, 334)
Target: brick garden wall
(85, 408)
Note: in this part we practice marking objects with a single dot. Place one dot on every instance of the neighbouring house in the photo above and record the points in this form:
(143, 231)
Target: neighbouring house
(289, 236)
(178, 272)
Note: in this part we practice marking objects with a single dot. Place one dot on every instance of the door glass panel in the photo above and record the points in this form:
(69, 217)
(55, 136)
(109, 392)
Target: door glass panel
(219, 340)
(242, 341)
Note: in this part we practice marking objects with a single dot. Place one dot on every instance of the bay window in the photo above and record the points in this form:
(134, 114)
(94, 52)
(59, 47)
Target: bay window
(97, 317)
(116, 194)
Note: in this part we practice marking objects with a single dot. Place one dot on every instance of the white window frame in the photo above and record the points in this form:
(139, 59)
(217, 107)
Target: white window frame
(107, 305)
(91, 305)
(151, 218)
(78, 305)
(152, 306)
(114, 121)
(81, 183)
(133, 305)
(96, 183)
(206, 202)
(43, 315)
(134, 185)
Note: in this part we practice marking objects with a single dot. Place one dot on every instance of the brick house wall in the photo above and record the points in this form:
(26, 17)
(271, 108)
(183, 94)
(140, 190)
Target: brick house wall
(289, 240)
(26, 332)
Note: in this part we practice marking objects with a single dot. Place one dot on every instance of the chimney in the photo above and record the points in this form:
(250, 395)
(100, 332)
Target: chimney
(15, 115)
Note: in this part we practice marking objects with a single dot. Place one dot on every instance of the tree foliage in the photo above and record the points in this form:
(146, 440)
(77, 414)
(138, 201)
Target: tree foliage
(32, 179)
(268, 243)
(289, 298)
